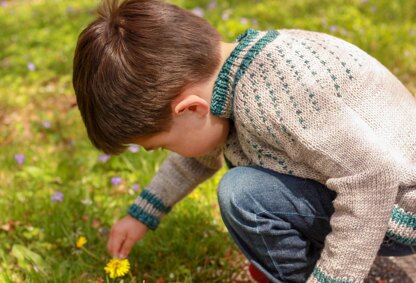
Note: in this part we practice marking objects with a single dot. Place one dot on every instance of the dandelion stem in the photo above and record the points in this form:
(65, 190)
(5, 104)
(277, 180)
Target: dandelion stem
(131, 276)
(90, 254)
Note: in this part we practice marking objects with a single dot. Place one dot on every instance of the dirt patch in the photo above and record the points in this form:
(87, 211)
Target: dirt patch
(391, 270)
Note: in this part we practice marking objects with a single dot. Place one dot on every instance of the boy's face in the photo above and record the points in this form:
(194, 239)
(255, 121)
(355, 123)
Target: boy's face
(194, 132)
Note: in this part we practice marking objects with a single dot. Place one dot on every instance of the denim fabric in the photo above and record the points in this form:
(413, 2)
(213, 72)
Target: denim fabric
(280, 221)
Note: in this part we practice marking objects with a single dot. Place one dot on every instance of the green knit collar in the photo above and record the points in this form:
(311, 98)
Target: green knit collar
(251, 42)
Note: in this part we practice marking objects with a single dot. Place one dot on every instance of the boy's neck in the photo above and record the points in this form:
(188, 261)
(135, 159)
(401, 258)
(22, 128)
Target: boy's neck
(226, 50)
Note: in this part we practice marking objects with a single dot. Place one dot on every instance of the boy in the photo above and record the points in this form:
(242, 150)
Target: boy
(319, 135)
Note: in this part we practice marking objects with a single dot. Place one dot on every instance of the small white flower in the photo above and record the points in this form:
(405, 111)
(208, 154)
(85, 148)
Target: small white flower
(134, 148)
(86, 201)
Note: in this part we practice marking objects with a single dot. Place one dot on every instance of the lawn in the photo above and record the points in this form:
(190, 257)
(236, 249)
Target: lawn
(55, 187)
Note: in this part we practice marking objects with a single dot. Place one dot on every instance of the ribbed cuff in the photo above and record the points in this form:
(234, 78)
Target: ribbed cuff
(146, 218)
(402, 227)
(148, 209)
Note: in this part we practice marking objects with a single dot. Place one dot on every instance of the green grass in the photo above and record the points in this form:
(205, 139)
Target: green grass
(37, 235)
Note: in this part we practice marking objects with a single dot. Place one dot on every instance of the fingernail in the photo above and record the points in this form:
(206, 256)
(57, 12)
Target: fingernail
(121, 256)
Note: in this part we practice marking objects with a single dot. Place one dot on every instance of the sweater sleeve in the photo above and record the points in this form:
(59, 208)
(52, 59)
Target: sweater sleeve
(364, 172)
(176, 178)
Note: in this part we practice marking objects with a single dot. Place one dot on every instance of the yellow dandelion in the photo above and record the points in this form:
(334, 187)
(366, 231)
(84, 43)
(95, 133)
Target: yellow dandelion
(117, 267)
(81, 241)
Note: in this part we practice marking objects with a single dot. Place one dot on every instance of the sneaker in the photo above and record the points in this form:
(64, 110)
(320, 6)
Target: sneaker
(257, 275)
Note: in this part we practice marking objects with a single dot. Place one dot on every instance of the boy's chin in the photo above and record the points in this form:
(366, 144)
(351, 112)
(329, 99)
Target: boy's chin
(195, 153)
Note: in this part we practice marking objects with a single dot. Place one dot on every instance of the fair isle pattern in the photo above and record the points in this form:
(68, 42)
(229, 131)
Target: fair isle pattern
(294, 61)
(251, 54)
(402, 226)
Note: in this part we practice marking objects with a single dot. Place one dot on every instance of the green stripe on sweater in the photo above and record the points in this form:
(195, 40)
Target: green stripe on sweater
(401, 217)
(322, 278)
(401, 239)
(155, 201)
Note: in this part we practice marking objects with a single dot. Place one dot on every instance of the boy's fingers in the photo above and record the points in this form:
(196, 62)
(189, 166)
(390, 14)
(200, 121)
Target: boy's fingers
(114, 244)
(126, 248)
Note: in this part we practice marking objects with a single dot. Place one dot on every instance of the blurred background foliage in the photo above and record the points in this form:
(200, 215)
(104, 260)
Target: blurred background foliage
(44, 149)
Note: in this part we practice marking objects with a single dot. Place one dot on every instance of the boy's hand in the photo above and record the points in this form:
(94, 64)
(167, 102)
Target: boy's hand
(124, 234)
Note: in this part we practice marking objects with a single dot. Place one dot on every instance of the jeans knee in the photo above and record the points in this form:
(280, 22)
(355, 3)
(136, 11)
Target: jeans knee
(255, 190)
(234, 190)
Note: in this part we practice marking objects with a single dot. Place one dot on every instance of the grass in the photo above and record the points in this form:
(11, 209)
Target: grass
(39, 120)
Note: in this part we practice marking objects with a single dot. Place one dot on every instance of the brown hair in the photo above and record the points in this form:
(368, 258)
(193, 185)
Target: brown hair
(132, 61)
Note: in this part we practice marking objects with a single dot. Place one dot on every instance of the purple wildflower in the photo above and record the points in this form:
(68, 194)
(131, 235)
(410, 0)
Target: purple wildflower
(198, 11)
(226, 15)
(134, 148)
(212, 5)
(46, 124)
(135, 187)
(103, 158)
(243, 21)
(333, 28)
(57, 197)
(20, 158)
(31, 67)
(116, 181)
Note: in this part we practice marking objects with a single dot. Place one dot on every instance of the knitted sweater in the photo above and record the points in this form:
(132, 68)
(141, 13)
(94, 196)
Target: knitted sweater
(314, 106)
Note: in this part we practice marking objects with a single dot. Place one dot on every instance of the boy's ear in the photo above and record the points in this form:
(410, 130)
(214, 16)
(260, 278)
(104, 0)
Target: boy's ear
(192, 103)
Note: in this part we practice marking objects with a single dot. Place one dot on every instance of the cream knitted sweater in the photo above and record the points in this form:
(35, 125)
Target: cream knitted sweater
(314, 106)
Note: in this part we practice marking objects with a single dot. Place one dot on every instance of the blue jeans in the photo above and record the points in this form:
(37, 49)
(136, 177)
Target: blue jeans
(280, 221)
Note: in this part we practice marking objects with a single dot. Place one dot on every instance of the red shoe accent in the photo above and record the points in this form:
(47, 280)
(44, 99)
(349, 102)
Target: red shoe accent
(257, 275)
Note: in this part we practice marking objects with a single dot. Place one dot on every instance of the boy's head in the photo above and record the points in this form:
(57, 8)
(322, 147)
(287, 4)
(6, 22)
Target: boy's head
(132, 62)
